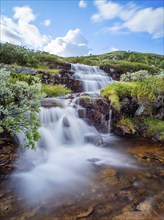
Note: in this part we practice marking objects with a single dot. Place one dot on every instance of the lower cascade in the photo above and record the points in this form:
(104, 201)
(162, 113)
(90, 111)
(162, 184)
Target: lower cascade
(65, 153)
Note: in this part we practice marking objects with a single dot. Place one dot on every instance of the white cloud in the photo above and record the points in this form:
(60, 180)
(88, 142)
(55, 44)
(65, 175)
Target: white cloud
(112, 49)
(131, 18)
(147, 20)
(21, 31)
(47, 22)
(82, 4)
(24, 13)
(72, 44)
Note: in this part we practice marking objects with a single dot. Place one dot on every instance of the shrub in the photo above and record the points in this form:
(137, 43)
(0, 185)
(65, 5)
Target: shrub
(19, 105)
(135, 76)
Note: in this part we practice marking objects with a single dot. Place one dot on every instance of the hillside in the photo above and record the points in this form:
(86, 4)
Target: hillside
(121, 61)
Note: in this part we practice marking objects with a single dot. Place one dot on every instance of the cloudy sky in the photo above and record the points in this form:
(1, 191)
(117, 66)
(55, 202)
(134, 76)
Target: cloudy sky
(80, 27)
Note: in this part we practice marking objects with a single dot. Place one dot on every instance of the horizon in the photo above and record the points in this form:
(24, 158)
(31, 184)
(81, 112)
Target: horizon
(81, 27)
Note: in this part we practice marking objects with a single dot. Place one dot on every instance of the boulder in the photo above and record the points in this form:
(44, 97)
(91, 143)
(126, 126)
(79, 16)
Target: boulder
(96, 110)
(93, 138)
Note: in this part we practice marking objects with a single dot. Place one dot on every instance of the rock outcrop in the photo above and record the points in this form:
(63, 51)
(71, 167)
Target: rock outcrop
(95, 111)
(8, 155)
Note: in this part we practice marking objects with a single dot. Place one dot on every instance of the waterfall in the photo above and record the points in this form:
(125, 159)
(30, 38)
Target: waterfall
(109, 121)
(67, 147)
(92, 77)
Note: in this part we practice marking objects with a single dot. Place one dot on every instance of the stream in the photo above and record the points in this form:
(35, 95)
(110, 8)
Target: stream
(76, 172)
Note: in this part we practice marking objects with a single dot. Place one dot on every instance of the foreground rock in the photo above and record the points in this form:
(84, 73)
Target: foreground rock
(95, 110)
(95, 139)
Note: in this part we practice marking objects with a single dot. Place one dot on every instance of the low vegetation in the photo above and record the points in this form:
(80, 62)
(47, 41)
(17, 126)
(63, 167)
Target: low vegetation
(147, 89)
(55, 90)
(18, 55)
(123, 61)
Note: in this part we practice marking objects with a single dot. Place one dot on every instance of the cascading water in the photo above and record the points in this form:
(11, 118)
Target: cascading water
(62, 159)
(92, 77)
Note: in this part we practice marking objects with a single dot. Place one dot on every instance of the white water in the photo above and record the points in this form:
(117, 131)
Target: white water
(62, 159)
(92, 77)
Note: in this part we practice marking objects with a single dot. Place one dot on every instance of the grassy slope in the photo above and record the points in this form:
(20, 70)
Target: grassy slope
(121, 60)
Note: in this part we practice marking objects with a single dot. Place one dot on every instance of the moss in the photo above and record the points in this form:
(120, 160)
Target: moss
(117, 91)
(127, 124)
(50, 71)
(53, 71)
(154, 128)
(146, 91)
(55, 90)
(86, 97)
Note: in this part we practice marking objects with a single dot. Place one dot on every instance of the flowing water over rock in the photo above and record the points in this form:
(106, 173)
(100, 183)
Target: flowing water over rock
(92, 77)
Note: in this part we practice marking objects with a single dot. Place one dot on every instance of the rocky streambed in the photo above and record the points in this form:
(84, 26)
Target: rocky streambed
(112, 193)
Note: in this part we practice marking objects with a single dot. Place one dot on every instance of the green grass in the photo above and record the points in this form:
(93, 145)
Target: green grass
(154, 127)
(126, 123)
(55, 90)
(146, 90)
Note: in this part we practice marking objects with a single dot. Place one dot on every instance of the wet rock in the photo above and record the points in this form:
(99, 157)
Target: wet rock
(96, 110)
(51, 103)
(66, 122)
(82, 113)
(8, 155)
(145, 206)
(129, 106)
(92, 138)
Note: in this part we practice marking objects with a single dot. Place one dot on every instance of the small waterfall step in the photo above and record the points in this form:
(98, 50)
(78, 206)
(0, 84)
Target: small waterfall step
(93, 78)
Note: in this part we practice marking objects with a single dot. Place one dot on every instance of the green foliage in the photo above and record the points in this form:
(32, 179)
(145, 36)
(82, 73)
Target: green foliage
(23, 77)
(117, 91)
(55, 90)
(146, 90)
(19, 105)
(154, 127)
(125, 66)
(53, 71)
(149, 88)
(120, 60)
(126, 122)
(123, 61)
(135, 76)
(13, 54)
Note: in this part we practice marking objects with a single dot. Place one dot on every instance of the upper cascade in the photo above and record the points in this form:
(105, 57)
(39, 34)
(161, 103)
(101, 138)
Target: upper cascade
(93, 78)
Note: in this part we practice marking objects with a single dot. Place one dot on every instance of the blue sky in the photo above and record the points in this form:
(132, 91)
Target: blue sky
(80, 27)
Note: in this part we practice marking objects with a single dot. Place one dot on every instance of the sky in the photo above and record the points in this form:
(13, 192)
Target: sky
(82, 27)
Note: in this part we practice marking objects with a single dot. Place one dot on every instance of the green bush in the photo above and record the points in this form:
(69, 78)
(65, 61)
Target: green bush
(127, 123)
(135, 76)
(19, 105)
(154, 127)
